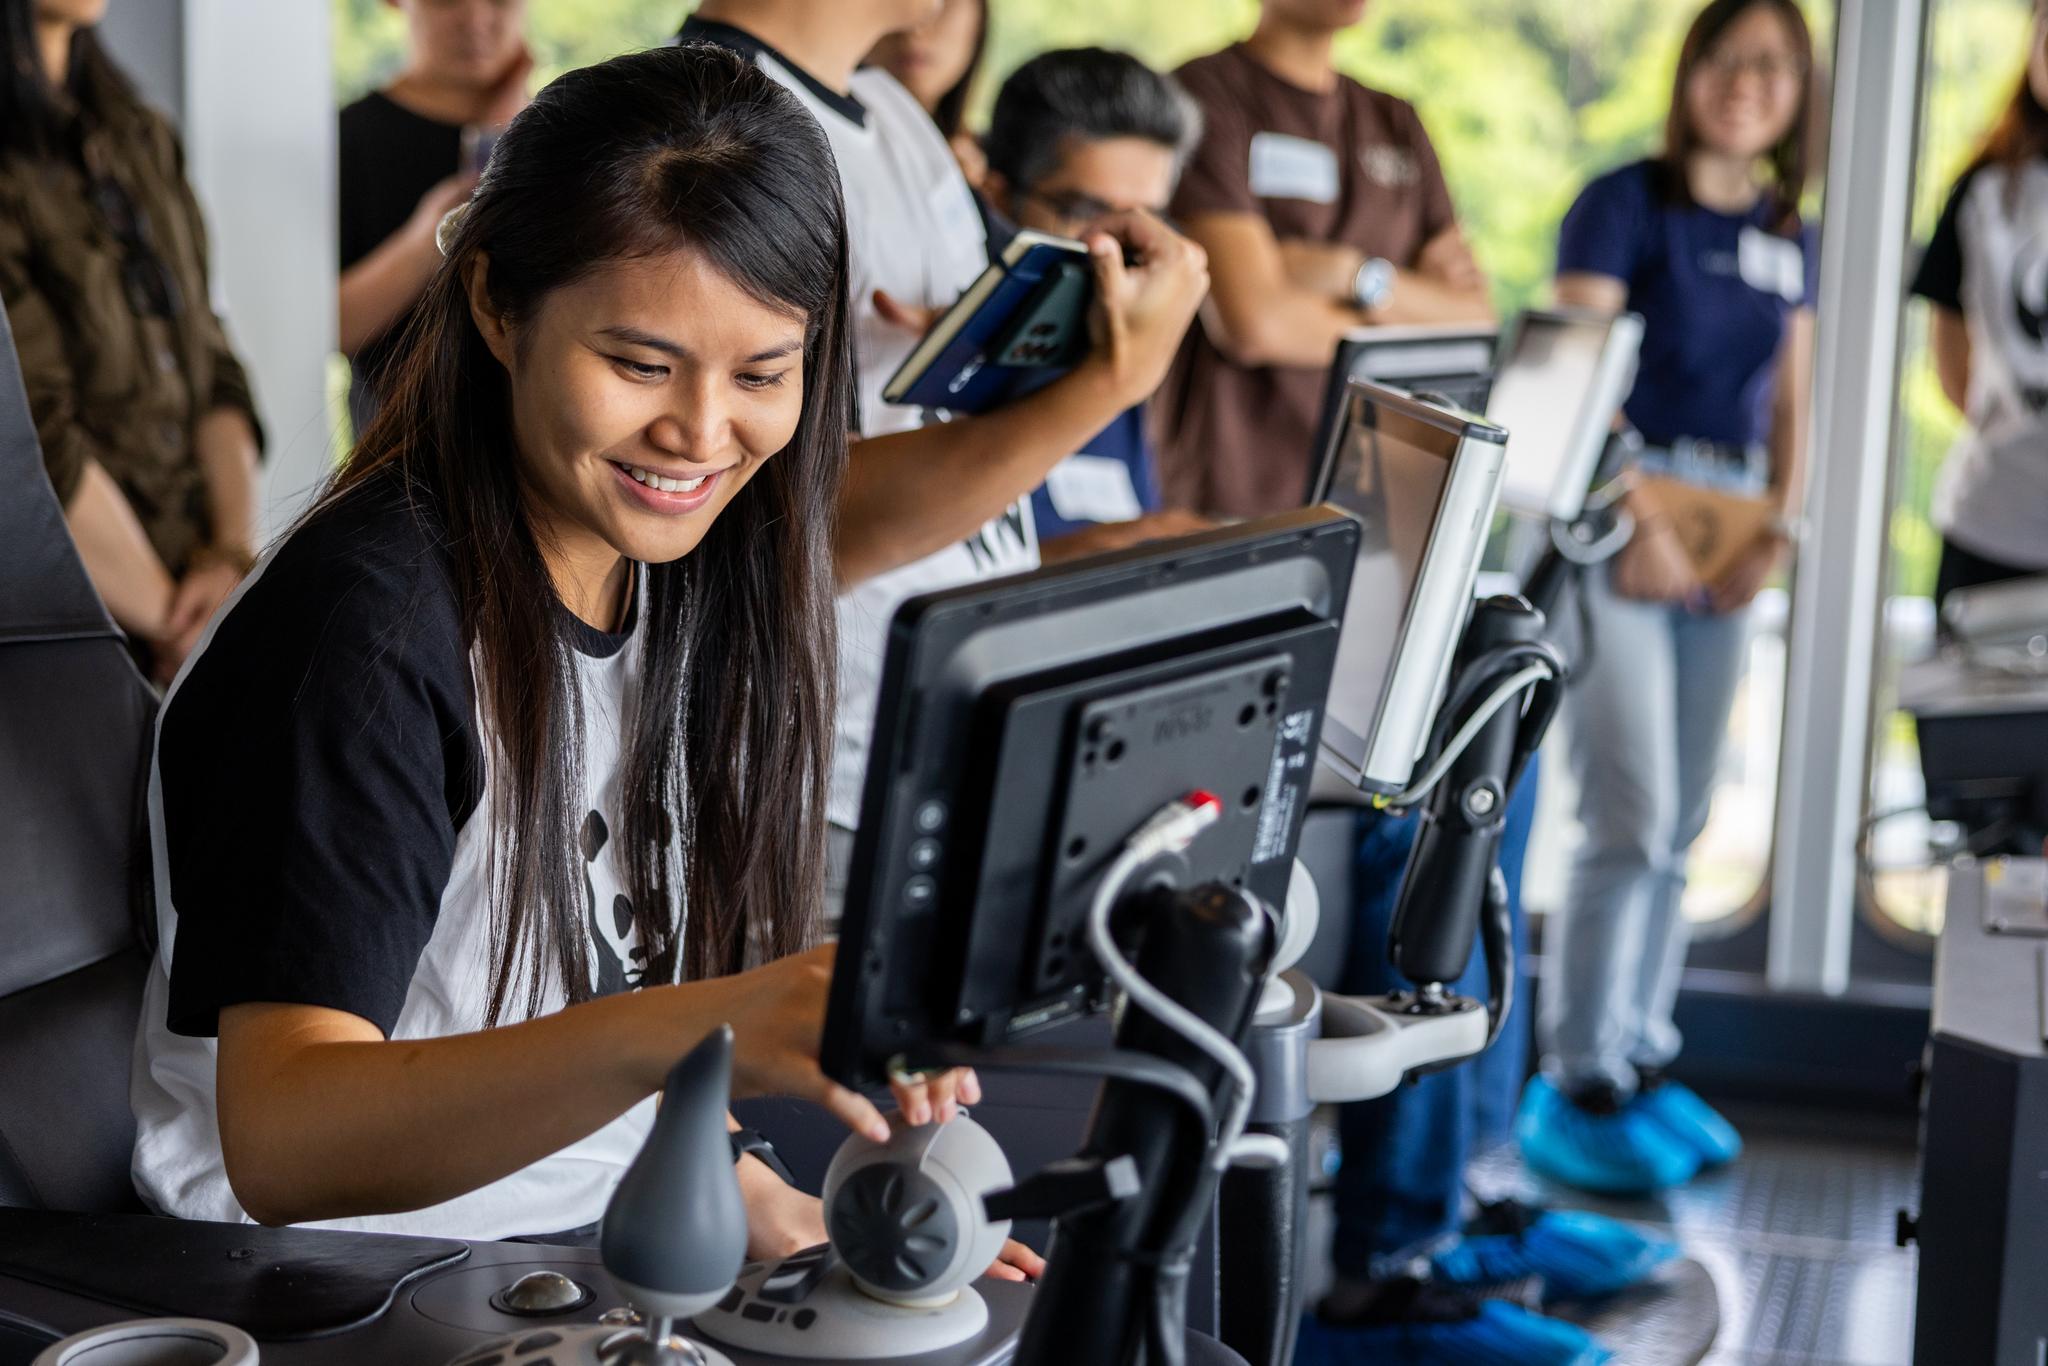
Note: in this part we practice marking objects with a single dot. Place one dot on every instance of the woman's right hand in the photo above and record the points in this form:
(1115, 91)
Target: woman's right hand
(777, 1014)
(1654, 567)
(1142, 310)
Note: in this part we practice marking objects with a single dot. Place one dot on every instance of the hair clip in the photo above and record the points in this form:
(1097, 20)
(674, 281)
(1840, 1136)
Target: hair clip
(450, 224)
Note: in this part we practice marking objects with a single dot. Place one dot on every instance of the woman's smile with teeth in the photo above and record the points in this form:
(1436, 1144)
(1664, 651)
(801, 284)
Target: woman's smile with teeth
(666, 485)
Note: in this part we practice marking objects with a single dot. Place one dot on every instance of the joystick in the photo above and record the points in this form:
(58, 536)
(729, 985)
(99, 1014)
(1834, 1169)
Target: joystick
(674, 1234)
(909, 1230)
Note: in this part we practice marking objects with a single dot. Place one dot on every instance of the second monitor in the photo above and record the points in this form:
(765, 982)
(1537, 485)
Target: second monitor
(1560, 378)
(1421, 481)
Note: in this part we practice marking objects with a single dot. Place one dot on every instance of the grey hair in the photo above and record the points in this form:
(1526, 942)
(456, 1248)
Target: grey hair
(1086, 92)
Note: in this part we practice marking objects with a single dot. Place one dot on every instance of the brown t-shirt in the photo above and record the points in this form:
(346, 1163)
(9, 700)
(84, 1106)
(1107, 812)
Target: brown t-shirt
(1347, 165)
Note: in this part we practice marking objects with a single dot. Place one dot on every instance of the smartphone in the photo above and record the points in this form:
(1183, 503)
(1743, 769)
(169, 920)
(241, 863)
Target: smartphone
(478, 141)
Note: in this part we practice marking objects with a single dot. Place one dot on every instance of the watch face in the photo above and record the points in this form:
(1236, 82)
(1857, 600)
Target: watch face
(1374, 282)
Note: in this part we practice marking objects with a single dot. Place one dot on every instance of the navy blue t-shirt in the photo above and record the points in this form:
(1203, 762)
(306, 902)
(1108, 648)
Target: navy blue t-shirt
(1715, 291)
(1112, 479)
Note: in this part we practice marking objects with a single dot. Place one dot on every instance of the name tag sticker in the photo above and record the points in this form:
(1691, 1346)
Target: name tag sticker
(1285, 167)
(1093, 488)
(1771, 264)
(1390, 167)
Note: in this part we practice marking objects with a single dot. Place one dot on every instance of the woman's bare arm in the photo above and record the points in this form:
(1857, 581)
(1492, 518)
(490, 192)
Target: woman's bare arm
(321, 1117)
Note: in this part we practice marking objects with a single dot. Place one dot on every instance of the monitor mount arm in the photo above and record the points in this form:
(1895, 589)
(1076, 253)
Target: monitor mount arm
(1311, 1048)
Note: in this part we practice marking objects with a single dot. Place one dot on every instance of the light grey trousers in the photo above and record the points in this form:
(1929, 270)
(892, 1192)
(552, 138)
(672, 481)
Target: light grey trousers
(1645, 719)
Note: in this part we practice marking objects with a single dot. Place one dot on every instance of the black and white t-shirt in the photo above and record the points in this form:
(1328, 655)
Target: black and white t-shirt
(1988, 260)
(320, 812)
(914, 231)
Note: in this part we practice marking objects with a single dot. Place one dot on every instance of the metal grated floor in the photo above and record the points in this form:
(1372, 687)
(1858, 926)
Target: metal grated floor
(1796, 1239)
(1797, 1236)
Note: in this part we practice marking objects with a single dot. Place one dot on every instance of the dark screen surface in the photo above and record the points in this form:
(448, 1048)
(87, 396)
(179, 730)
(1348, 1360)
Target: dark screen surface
(1026, 727)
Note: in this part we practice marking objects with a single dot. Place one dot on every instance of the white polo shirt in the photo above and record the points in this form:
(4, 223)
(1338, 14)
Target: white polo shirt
(913, 231)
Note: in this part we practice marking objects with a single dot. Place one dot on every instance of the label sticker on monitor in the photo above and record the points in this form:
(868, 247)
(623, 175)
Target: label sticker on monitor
(1286, 785)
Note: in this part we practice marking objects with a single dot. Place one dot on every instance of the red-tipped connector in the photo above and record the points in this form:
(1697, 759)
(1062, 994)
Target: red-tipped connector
(1177, 824)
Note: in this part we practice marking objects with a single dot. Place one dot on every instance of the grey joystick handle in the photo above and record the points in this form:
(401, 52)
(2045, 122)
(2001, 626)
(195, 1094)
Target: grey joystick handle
(675, 1233)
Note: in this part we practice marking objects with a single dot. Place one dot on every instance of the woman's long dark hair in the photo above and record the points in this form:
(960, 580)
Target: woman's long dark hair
(726, 752)
(1791, 158)
(2019, 136)
(950, 113)
(32, 122)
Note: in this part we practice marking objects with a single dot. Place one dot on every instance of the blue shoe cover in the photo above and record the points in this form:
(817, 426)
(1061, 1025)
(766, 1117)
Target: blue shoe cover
(1502, 1334)
(1577, 1255)
(1679, 1109)
(1626, 1153)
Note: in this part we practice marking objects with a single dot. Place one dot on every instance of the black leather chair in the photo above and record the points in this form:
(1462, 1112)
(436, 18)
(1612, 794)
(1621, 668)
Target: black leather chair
(75, 719)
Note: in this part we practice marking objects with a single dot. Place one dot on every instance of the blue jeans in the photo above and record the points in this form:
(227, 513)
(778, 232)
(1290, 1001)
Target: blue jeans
(1402, 1179)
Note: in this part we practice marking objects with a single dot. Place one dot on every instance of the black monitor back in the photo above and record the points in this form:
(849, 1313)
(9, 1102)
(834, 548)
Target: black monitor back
(1027, 726)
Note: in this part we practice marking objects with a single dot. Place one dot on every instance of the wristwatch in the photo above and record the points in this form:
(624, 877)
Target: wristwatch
(1373, 283)
(1791, 526)
(745, 1141)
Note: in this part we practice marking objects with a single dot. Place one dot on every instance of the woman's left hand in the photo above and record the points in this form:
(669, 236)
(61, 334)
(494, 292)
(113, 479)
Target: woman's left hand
(782, 1220)
(1017, 1262)
(1744, 578)
(925, 1096)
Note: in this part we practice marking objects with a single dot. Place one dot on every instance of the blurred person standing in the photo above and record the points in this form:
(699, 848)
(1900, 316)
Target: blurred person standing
(1705, 242)
(408, 154)
(931, 503)
(1076, 137)
(937, 61)
(1323, 209)
(1985, 274)
(148, 429)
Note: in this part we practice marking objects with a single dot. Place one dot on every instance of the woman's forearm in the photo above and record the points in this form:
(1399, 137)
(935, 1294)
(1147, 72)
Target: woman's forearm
(1948, 338)
(321, 1118)
(225, 443)
(376, 291)
(1791, 410)
(118, 557)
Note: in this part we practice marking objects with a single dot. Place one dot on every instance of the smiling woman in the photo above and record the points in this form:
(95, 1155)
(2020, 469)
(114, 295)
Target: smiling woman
(648, 395)
(532, 708)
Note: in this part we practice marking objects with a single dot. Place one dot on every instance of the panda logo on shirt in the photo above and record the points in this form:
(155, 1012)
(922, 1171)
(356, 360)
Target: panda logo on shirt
(2030, 286)
(617, 960)
(2028, 282)
(1003, 545)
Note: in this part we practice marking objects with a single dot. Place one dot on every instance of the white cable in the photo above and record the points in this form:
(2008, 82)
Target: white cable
(1261, 1150)
(1172, 830)
(1417, 790)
